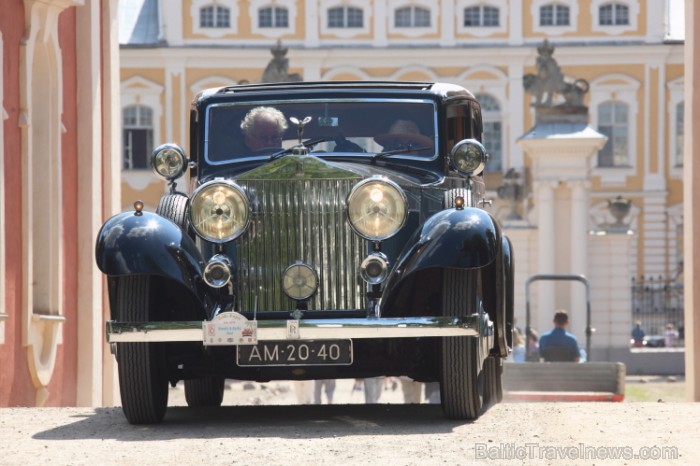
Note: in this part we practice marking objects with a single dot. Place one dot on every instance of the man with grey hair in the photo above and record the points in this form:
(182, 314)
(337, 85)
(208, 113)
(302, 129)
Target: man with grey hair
(263, 127)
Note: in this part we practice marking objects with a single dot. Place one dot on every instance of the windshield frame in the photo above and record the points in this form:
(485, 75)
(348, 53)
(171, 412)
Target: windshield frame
(320, 100)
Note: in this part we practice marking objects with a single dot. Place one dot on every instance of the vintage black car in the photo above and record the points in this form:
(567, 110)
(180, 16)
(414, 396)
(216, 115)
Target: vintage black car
(353, 243)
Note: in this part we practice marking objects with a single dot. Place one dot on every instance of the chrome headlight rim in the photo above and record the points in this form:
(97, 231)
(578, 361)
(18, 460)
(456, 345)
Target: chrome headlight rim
(469, 157)
(287, 274)
(204, 189)
(363, 185)
(160, 153)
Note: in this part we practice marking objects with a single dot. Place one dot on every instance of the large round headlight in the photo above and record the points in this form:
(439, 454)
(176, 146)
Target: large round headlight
(168, 161)
(219, 211)
(469, 157)
(377, 208)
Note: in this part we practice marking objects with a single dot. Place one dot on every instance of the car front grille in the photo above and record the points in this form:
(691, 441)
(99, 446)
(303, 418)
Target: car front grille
(299, 220)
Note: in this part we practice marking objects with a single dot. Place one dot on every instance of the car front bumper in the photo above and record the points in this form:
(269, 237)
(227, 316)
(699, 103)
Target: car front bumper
(305, 329)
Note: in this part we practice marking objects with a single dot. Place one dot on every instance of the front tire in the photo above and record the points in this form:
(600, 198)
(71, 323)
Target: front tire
(461, 358)
(143, 379)
(204, 392)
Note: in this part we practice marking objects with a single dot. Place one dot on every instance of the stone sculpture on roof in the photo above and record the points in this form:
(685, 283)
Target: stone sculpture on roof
(278, 69)
(549, 80)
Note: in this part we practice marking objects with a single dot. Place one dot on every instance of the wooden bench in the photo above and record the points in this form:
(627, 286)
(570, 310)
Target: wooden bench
(564, 381)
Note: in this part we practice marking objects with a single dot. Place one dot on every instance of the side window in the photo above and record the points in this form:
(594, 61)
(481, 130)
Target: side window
(481, 16)
(613, 14)
(273, 17)
(613, 121)
(554, 14)
(345, 17)
(214, 16)
(493, 131)
(412, 16)
(137, 129)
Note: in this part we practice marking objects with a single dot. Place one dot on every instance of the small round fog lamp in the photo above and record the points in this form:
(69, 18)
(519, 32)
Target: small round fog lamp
(299, 281)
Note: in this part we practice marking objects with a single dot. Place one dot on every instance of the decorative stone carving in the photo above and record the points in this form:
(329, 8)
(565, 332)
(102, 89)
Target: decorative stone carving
(549, 81)
(278, 69)
(511, 191)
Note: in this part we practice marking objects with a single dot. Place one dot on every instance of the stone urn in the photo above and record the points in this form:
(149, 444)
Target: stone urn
(619, 208)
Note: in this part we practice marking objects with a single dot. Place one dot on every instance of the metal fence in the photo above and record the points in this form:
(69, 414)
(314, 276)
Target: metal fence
(656, 302)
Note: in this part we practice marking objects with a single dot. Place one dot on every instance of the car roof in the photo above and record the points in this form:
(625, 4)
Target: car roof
(441, 91)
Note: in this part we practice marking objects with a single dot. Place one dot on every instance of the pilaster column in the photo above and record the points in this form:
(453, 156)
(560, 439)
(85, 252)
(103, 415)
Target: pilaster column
(546, 258)
(579, 252)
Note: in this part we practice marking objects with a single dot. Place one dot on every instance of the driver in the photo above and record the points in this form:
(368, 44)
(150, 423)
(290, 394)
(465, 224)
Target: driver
(263, 127)
(403, 134)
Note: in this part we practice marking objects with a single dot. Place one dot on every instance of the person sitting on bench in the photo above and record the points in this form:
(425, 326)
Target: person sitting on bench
(559, 345)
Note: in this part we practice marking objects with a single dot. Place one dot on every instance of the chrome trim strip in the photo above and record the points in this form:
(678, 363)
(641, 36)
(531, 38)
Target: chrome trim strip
(309, 329)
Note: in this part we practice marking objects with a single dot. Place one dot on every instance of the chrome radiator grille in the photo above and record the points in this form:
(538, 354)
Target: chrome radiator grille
(299, 220)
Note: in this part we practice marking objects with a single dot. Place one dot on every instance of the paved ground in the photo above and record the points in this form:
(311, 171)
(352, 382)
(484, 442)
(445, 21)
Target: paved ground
(354, 433)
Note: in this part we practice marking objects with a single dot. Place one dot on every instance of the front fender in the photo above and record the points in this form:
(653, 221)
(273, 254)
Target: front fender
(459, 239)
(462, 239)
(133, 243)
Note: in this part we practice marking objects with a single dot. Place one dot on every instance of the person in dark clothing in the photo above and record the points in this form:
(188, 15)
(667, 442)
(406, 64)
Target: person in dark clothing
(558, 344)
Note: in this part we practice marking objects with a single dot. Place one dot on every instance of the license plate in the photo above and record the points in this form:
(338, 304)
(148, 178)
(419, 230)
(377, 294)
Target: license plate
(296, 353)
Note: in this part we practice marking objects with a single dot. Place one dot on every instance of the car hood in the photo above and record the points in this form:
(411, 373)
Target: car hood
(308, 167)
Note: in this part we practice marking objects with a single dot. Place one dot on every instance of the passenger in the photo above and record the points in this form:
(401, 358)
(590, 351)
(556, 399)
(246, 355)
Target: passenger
(558, 344)
(263, 128)
(404, 134)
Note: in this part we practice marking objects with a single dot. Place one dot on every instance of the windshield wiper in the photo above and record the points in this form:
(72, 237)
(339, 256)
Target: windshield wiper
(388, 153)
(308, 143)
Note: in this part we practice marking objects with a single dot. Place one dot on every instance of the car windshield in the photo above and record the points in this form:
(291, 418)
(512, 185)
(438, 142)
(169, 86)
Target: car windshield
(236, 131)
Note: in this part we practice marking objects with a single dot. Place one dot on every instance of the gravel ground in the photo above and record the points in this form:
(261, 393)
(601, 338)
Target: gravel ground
(271, 429)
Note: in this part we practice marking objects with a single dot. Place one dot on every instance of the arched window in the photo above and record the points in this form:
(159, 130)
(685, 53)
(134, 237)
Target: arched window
(481, 16)
(273, 17)
(554, 15)
(613, 121)
(680, 109)
(613, 14)
(137, 128)
(345, 17)
(411, 17)
(214, 16)
(493, 131)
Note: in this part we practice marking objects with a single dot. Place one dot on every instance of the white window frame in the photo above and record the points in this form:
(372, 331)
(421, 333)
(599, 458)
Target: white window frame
(138, 90)
(554, 30)
(621, 88)
(412, 31)
(677, 96)
(482, 31)
(276, 32)
(614, 30)
(214, 33)
(345, 33)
